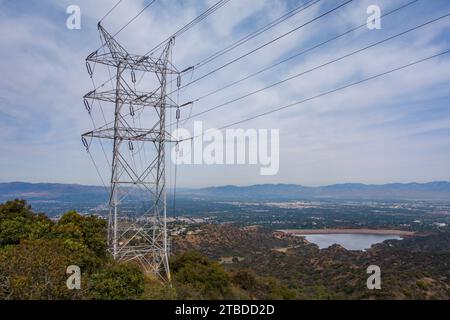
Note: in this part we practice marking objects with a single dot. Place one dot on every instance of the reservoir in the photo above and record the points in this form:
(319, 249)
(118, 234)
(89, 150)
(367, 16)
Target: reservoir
(350, 241)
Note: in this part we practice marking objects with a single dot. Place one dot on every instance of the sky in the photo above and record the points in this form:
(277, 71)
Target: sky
(392, 129)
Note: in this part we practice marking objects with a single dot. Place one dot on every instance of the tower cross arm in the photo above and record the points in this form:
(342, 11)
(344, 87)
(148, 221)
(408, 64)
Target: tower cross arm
(115, 55)
(132, 62)
(129, 134)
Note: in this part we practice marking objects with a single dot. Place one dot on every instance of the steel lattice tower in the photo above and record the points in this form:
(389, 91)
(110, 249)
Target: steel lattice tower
(144, 239)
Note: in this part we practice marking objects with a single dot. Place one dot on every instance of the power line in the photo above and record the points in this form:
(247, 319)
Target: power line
(285, 60)
(260, 47)
(254, 34)
(203, 16)
(128, 23)
(96, 167)
(325, 93)
(185, 28)
(285, 80)
(235, 60)
(134, 18)
(301, 53)
(319, 66)
(111, 10)
(266, 44)
(191, 24)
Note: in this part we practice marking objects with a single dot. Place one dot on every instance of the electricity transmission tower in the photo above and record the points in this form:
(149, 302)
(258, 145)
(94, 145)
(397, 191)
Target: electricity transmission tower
(142, 238)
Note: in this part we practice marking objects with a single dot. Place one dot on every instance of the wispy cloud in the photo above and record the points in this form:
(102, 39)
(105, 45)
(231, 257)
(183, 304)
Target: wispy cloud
(392, 129)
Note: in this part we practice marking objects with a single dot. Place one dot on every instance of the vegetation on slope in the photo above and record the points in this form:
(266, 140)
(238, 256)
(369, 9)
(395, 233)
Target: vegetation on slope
(35, 253)
(414, 268)
(257, 264)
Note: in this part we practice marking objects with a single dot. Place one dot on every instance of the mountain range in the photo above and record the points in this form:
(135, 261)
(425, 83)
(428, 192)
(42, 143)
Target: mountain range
(439, 190)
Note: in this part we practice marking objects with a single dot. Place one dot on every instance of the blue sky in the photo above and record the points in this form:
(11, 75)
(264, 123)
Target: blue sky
(394, 129)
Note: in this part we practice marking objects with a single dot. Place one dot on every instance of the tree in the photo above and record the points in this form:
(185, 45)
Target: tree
(35, 252)
(117, 281)
(15, 208)
(18, 222)
(77, 230)
(197, 277)
(155, 289)
(266, 288)
(245, 279)
(36, 269)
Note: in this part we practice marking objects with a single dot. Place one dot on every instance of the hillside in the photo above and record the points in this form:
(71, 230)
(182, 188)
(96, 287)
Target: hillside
(211, 261)
(36, 251)
(415, 268)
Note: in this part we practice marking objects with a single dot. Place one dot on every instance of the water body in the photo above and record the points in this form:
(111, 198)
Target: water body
(350, 241)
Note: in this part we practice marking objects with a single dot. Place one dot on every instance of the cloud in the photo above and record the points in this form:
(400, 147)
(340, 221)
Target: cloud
(375, 132)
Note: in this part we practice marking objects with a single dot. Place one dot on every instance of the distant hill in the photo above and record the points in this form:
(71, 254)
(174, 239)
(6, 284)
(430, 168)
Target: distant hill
(350, 191)
(52, 192)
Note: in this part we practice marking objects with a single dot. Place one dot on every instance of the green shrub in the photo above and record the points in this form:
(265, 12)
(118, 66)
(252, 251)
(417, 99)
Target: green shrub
(197, 277)
(118, 281)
